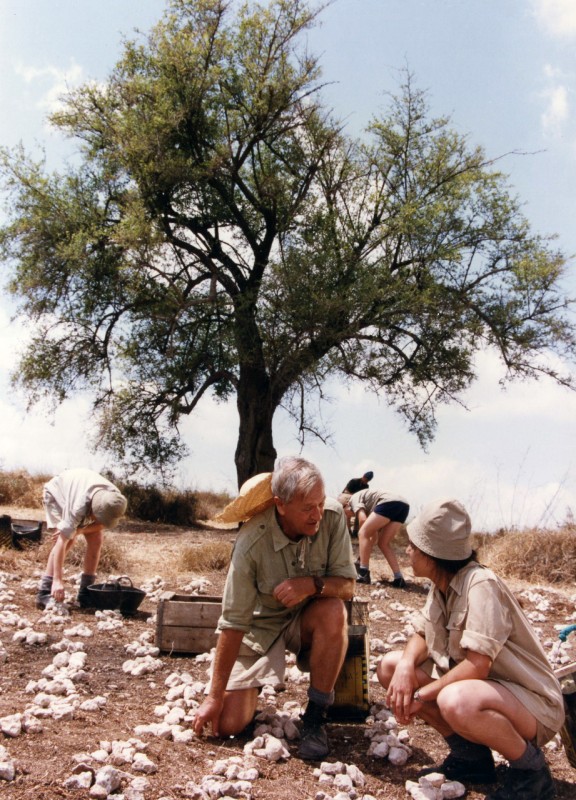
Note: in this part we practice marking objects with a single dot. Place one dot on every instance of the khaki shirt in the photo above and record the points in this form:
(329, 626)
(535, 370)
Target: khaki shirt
(480, 614)
(263, 557)
(368, 499)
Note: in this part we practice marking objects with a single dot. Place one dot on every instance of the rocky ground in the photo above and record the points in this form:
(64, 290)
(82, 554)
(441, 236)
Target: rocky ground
(88, 693)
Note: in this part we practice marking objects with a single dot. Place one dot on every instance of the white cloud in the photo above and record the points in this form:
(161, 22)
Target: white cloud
(556, 17)
(58, 82)
(557, 111)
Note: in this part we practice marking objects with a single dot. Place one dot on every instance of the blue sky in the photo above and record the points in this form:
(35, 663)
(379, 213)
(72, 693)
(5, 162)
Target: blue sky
(505, 72)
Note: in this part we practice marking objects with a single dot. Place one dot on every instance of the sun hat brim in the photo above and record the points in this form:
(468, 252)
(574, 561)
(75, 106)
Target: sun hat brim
(255, 496)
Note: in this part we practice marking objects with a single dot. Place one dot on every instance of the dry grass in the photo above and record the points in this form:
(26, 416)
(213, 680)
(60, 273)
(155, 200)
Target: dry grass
(532, 555)
(209, 557)
(210, 503)
(21, 489)
(112, 558)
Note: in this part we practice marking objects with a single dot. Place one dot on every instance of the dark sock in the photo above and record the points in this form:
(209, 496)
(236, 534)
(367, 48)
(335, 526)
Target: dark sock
(45, 584)
(322, 699)
(532, 758)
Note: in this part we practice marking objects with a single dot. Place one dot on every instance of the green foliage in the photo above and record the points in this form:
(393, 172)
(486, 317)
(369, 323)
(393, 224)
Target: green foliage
(223, 236)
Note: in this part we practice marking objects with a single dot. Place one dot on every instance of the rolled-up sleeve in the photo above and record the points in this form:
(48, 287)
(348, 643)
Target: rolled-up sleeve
(488, 623)
(240, 594)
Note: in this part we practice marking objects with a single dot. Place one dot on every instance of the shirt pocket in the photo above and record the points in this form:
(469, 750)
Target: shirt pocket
(456, 626)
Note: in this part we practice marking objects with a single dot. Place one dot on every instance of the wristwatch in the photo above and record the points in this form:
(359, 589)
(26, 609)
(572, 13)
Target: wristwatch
(319, 584)
(416, 696)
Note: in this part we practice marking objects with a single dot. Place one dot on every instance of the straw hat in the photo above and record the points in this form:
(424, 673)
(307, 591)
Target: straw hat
(255, 496)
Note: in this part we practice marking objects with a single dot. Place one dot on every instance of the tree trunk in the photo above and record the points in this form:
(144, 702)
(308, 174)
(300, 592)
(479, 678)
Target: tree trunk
(255, 450)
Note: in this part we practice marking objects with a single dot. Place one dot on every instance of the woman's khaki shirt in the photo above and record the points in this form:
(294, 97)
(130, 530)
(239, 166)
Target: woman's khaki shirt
(480, 613)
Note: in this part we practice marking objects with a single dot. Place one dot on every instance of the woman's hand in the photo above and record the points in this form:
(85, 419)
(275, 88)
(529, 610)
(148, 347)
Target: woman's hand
(399, 696)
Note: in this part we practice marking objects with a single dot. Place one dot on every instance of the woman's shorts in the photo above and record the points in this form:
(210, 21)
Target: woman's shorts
(394, 510)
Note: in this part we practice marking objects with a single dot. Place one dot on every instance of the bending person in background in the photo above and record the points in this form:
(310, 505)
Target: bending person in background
(474, 670)
(379, 517)
(357, 484)
(77, 501)
(290, 574)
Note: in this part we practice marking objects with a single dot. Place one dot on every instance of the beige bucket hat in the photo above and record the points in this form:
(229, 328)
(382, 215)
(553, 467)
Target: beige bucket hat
(255, 496)
(442, 529)
(108, 507)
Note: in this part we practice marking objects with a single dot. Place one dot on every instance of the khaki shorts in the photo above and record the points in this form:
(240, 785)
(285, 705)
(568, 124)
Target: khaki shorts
(252, 670)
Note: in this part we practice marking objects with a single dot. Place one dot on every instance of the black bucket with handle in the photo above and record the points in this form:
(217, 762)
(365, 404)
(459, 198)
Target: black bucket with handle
(116, 595)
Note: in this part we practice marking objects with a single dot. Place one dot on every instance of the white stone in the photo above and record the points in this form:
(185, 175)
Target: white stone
(7, 770)
(355, 774)
(435, 779)
(142, 763)
(343, 783)
(11, 725)
(108, 779)
(379, 749)
(332, 767)
(82, 780)
(452, 789)
(398, 756)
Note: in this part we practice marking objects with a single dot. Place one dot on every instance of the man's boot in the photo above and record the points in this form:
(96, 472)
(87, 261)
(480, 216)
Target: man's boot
(44, 593)
(84, 599)
(313, 738)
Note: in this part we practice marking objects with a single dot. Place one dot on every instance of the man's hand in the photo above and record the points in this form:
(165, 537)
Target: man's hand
(209, 712)
(294, 590)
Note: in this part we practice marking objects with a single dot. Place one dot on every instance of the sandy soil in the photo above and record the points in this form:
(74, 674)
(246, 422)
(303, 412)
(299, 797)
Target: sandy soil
(45, 759)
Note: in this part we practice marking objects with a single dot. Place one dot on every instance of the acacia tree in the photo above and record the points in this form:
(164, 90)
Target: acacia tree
(221, 235)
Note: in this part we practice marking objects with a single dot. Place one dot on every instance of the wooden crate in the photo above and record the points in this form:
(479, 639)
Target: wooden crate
(187, 623)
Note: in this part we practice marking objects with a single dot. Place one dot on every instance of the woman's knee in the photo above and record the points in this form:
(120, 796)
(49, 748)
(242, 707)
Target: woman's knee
(386, 667)
(457, 702)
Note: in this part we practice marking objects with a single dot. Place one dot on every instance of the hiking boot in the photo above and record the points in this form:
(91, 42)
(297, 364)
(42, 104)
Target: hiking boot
(526, 784)
(478, 770)
(42, 599)
(363, 575)
(399, 583)
(313, 737)
(84, 597)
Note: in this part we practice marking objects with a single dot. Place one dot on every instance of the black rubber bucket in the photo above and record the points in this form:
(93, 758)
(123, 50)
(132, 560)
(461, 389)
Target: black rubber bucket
(119, 595)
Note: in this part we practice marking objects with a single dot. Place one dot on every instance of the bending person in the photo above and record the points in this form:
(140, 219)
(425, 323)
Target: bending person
(474, 670)
(77, 501)
(379, 517)
(290, 574)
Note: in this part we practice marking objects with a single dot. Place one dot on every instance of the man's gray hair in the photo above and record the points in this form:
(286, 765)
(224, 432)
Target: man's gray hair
(294, 476)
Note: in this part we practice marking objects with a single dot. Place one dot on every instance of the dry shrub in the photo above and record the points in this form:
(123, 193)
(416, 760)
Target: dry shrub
(112, 558)
(208, 557)
(532, 555)
(21, 489)
(210, 503)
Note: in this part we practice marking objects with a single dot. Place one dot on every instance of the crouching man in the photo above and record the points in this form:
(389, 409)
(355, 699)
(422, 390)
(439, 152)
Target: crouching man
(291, 571)
(474, 670)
